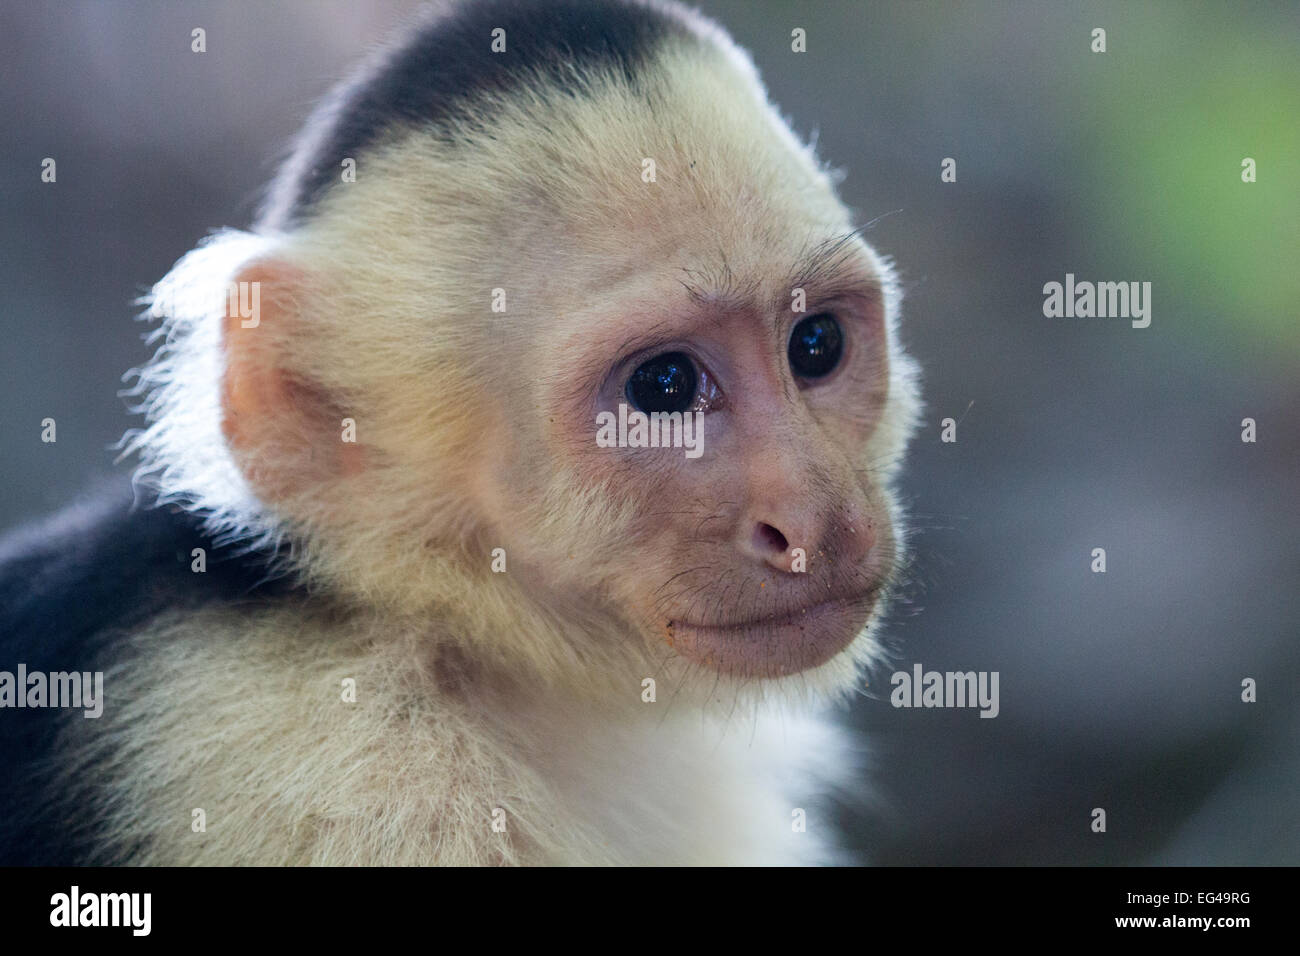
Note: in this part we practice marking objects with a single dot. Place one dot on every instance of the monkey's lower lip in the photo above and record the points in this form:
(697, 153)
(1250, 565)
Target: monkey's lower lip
(773, 647)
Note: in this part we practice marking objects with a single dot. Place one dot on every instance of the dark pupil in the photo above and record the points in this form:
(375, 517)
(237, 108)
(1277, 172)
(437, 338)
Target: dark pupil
(666, 383)
(815, 346)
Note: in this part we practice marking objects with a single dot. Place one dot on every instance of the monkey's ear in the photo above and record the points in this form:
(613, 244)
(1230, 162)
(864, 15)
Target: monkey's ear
(285, 430)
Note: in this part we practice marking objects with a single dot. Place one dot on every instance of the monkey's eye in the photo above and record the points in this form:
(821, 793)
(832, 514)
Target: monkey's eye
(816, 345)
(666, 383)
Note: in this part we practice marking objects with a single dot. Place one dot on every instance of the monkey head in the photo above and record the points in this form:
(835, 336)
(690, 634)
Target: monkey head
(623, 223)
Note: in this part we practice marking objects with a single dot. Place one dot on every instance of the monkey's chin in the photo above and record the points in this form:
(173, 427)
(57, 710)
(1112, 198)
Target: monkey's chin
(774, 647)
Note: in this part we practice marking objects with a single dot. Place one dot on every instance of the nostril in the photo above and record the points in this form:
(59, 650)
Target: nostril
(769, 540)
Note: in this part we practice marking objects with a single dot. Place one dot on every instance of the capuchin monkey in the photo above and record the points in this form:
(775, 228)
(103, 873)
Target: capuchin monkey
(402, 582)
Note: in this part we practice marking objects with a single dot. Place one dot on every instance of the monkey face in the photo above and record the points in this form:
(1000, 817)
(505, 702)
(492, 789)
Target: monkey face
(717, 441)
(729, 308)
(758, 540)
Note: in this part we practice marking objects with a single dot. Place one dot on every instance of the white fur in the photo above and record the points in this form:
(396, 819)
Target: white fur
(241, 715)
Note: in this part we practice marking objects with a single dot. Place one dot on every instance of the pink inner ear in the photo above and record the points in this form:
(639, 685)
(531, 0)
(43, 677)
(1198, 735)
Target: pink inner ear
(286, 430)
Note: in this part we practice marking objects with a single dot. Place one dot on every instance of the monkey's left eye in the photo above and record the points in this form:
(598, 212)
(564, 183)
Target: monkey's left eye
(816, 345)
(666, 383)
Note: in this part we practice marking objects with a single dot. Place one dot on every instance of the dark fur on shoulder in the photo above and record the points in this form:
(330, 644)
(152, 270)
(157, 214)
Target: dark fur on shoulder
(68, 585)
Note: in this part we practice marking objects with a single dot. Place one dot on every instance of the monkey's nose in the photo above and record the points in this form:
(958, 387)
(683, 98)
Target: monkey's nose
(789, 551)
(769, 540)
(770, 545)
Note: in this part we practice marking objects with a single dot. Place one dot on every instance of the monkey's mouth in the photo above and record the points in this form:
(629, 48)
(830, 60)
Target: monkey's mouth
(775, 645)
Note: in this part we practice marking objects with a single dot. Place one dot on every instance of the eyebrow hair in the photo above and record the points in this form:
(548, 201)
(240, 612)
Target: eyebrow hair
(827, 259)
(718, 285)
(821, 265)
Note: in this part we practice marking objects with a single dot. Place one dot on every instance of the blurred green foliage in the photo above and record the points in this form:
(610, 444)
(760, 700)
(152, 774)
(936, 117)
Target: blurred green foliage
(1184, 94)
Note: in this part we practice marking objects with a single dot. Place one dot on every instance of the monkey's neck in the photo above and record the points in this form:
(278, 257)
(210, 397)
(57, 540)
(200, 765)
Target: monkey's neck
(380, 752)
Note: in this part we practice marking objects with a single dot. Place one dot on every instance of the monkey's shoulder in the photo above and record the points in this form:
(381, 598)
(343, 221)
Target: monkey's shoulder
(104, 565)
(71, 584)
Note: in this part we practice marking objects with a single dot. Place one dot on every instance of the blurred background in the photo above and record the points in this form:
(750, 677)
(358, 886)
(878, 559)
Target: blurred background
(1119, 690)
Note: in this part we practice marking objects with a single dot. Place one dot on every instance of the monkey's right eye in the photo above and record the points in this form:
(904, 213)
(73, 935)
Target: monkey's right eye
(666, 383)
